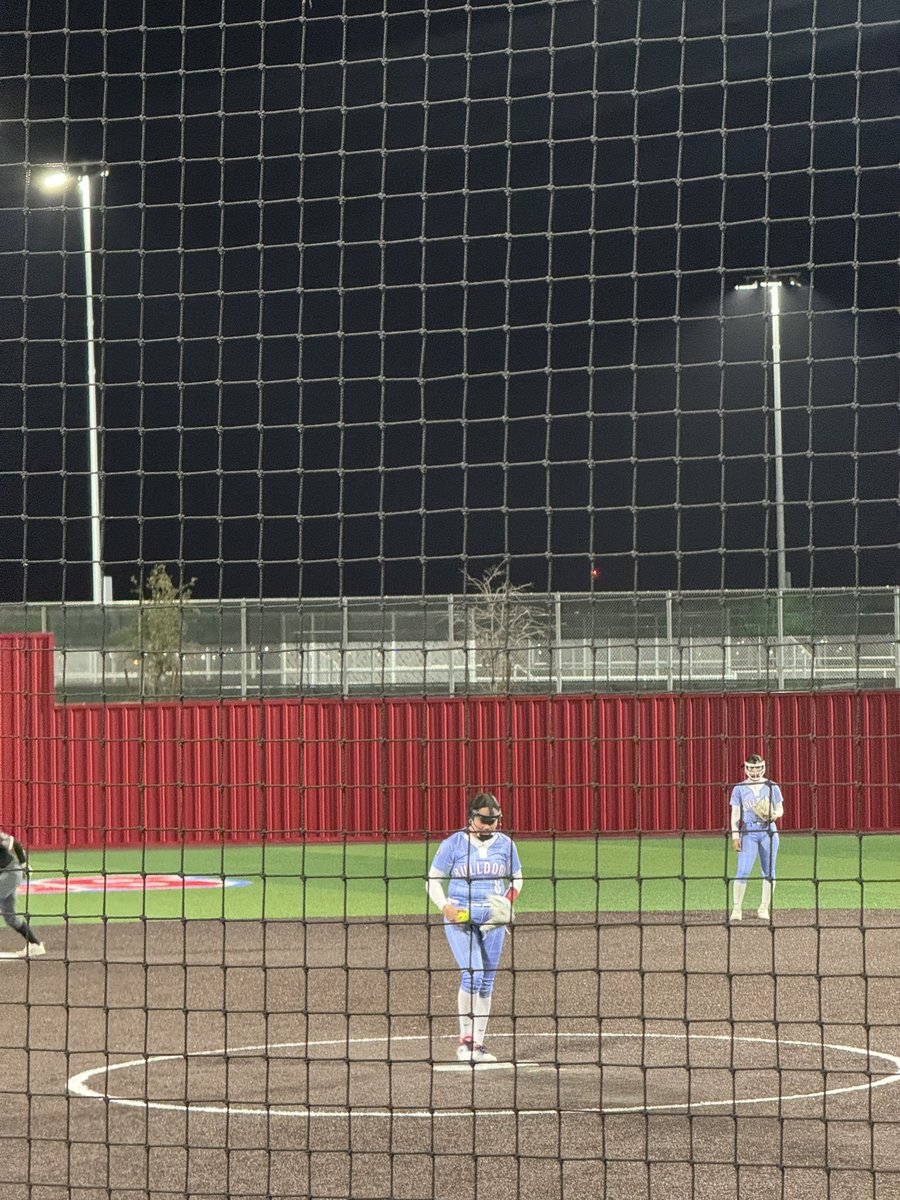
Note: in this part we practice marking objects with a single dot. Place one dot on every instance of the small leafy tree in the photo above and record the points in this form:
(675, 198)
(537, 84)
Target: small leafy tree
(160, 630)
(502, 622)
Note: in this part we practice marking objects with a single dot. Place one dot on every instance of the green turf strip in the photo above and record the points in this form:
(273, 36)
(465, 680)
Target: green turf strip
(614, 874)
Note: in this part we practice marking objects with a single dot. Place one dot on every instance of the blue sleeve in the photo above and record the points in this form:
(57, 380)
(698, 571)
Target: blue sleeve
(776, 794)
(736, 796)
(514, 859)
(443, 860)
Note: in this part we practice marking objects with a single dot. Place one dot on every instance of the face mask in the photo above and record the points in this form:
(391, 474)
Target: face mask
(484, 835)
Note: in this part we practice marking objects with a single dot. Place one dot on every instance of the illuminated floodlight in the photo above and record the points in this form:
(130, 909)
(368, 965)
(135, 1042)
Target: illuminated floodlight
(753, 282)
(55, 181)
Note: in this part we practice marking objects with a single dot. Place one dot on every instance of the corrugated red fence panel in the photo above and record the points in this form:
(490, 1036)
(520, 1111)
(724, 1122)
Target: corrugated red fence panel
(572, 794)
(617, 778)
(124, 774)
(282, 734)
(27, 702)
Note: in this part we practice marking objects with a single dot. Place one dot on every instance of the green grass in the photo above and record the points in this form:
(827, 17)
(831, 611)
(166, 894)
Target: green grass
(616, 874)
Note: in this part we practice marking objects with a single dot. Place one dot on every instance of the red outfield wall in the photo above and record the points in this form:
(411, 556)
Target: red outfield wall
(125, 774)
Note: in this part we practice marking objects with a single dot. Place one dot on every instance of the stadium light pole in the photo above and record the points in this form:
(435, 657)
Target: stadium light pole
(59, 180)
(771, 286)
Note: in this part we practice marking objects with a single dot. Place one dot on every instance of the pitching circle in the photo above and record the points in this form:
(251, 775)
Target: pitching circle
(78, 1084)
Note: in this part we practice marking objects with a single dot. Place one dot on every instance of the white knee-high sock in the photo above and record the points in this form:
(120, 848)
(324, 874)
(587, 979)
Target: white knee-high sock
(481, 1006)
(740, 886)
(768, 888)
(465, 1007)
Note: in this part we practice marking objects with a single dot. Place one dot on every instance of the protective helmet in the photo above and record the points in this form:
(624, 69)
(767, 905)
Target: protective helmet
(754, 762)
(485, 800)
(492, 804)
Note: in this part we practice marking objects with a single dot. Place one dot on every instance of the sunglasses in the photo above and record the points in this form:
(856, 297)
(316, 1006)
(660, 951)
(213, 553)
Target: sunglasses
(490, 820)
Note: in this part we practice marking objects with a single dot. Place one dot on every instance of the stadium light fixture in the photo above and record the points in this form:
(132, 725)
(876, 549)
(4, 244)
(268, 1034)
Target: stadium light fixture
(57, 179)
(755, 282)
(54, 181)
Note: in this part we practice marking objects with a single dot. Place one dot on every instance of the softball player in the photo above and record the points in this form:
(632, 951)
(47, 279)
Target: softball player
(756, 804)
(485, 878)
(13, 864)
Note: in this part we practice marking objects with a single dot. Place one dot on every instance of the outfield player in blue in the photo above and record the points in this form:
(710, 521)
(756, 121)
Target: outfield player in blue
(756, 804)
(485, 878)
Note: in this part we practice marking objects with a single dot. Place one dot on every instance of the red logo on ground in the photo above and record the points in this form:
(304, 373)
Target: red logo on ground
(127, 883)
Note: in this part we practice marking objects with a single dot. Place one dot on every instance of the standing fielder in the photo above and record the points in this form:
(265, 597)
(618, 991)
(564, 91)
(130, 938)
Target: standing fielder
(756, 804)
(485, 878)
(13, 864)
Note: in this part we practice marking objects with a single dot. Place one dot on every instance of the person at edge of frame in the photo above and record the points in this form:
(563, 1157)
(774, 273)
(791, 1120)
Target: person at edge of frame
(13, 865)
(756, 804)
(485, 879)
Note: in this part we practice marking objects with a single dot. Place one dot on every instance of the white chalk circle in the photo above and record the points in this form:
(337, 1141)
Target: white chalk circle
(78, 1085)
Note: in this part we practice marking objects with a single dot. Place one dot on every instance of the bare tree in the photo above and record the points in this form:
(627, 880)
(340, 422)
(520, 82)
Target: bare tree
(160, 631)
(503, 623)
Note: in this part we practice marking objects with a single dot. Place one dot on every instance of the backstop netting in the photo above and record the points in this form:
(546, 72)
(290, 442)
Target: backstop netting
(414, 413)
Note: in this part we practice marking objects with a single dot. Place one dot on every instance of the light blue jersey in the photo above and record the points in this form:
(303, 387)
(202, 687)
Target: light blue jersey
(745, 795)
(476, 869)
(760, 839)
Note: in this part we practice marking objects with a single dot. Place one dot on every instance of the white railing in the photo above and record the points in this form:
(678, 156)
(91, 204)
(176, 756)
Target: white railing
(646, 664)
(589, 642)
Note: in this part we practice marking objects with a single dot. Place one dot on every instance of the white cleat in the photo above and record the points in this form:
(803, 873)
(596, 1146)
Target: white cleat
(763, 914)
(464, 1049)
(481, 1054)
(468, 1051)
(736, 915)
(31, 950)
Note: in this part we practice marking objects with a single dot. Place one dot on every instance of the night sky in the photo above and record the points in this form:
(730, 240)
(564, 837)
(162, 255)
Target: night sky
(388, 293)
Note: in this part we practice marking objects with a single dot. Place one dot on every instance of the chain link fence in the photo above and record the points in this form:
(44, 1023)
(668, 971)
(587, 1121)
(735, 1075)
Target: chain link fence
(740, 641)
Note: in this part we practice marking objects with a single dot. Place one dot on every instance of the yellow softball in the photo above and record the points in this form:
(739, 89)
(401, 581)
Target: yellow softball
(463, 916)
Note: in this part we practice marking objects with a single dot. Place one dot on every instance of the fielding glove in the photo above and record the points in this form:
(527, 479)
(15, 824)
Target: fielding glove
(765, 810)
(501, 913)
